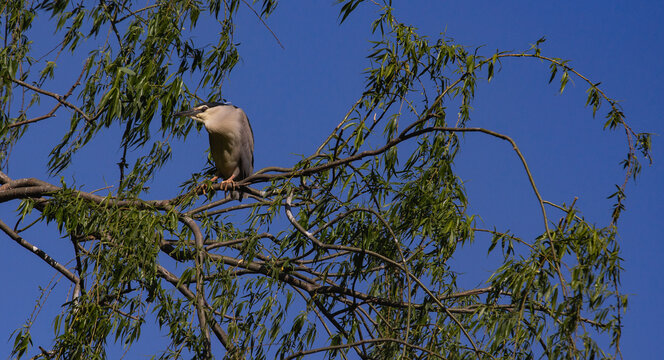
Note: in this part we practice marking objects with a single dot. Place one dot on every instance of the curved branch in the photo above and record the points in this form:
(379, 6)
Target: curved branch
(310, 236)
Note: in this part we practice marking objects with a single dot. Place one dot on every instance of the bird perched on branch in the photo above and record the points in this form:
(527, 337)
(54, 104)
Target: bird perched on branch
(231, 141)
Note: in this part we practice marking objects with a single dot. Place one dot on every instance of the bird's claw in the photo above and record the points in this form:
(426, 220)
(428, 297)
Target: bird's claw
(228, 184)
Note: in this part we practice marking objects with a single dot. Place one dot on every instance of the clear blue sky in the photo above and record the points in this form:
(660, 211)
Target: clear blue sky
(295, 96)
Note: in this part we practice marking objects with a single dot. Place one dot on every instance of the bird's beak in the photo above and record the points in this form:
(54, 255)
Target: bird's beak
(188, 113)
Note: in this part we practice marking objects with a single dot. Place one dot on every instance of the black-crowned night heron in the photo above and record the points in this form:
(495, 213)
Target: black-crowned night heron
(231, 141)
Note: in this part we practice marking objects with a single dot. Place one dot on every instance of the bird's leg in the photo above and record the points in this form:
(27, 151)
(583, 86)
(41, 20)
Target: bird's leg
(228, 183)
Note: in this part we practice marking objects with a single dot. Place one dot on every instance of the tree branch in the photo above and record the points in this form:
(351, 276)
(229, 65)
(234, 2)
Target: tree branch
(40, 253)
(358, 343)
(60, 103)
(200, 290)
(59, 98)
(216, 329)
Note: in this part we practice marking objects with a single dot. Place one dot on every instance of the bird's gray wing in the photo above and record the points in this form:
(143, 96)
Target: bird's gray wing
(247, 150)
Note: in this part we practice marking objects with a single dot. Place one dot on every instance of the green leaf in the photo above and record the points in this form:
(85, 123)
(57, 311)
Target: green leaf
(563, 81)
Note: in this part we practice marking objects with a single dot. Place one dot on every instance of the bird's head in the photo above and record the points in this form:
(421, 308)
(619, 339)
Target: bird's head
(204, 111)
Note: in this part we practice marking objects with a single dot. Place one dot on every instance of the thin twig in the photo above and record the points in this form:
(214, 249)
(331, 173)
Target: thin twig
(55, 96)
(60, 103)
(264, 24)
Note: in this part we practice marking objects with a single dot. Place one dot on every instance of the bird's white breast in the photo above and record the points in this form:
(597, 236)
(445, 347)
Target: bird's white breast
(224, 125)
(223, 119)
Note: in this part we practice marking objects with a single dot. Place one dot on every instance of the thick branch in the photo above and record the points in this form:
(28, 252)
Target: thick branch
(31, 187)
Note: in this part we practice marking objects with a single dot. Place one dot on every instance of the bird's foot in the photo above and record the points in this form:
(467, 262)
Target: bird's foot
(228, 184)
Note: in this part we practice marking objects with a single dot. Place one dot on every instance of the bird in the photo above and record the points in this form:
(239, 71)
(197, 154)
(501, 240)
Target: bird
(231, 141)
